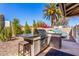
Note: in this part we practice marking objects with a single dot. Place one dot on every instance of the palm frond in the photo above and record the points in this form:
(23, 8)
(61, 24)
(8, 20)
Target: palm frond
(53, 5)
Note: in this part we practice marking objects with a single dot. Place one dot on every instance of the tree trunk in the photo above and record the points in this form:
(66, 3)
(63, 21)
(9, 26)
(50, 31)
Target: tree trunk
(52, 21)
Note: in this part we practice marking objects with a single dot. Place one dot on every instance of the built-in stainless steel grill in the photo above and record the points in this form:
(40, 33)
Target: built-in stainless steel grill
(43, 41)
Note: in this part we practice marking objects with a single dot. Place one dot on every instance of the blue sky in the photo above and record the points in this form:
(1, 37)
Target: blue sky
(73, 20)
(27, 12)
(24, 12)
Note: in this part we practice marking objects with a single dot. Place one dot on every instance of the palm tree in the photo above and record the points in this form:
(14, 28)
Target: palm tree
(50, 12)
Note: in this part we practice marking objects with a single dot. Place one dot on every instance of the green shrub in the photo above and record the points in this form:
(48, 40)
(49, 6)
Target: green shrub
(5, 34)
(16, 27)
(27, 29)
(34, 27)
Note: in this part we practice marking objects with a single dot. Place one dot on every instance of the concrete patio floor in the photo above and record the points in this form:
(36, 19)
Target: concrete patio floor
(10, 48)
(67, 46)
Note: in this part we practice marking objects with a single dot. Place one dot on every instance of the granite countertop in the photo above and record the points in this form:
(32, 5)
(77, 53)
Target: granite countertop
(30, 36)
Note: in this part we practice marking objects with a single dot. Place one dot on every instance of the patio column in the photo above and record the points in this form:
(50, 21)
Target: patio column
(74, 33)
(77, 34)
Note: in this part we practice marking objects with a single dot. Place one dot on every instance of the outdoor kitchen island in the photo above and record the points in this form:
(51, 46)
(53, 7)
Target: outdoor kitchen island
(55, 40)
(35, 42)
